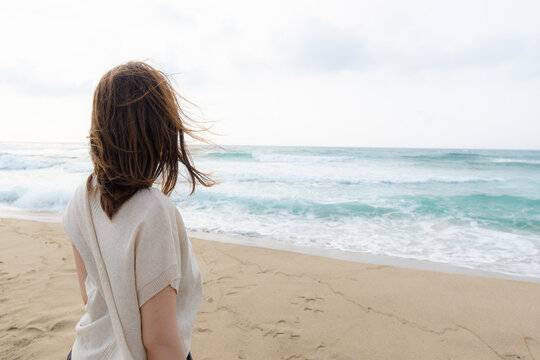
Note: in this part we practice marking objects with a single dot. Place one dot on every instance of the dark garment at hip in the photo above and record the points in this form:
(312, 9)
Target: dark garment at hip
(187, 358)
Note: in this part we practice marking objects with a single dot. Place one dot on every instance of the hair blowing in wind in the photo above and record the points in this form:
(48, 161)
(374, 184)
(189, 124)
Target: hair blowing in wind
(138, 133)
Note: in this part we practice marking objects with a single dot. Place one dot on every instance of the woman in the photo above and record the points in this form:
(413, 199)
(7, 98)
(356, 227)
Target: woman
(138, 276)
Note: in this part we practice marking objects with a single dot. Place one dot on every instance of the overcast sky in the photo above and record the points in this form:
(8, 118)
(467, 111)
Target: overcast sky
(459, 74)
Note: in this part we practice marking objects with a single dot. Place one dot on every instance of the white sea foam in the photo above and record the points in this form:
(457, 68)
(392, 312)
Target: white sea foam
(516, 161)
(48, 198)
(78, 167)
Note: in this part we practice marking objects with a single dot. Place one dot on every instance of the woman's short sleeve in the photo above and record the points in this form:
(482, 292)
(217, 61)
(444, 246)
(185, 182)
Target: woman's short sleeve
(157, 263)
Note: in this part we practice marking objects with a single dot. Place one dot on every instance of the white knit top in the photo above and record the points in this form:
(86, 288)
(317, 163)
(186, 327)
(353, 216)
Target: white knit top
(128, 260)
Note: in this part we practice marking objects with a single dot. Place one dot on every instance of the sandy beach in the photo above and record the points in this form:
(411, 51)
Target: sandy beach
(272, 304)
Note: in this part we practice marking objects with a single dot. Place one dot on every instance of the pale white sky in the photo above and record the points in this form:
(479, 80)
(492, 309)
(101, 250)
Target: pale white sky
(330, 73)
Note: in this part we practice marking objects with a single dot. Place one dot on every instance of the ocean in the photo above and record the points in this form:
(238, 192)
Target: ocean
(478, 209)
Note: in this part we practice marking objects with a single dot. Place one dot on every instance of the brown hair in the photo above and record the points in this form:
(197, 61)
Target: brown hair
(137, 134)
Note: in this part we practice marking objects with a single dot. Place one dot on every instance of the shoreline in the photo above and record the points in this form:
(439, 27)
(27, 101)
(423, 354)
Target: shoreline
(261, 303)
(363, 258)
(268, 243)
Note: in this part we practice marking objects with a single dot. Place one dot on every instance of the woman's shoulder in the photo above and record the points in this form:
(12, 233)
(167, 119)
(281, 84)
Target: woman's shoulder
(154, 199)
(144, 203)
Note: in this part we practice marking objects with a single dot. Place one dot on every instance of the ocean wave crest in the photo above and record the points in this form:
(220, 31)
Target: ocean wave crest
(14, 162)
(506, 161)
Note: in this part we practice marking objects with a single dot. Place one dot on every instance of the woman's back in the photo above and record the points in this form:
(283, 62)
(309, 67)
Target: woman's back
(143, 249)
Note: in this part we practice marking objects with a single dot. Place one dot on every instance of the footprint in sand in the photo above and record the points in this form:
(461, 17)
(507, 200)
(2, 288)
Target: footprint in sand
(309, 303)
(199, 329)
(59, 325)
(282, 330)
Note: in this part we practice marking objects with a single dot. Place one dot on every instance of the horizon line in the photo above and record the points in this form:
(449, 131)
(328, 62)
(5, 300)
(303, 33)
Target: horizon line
(304, 146)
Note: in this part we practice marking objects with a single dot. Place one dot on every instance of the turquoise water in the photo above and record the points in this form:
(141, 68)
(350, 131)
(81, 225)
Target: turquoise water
(473, 208)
